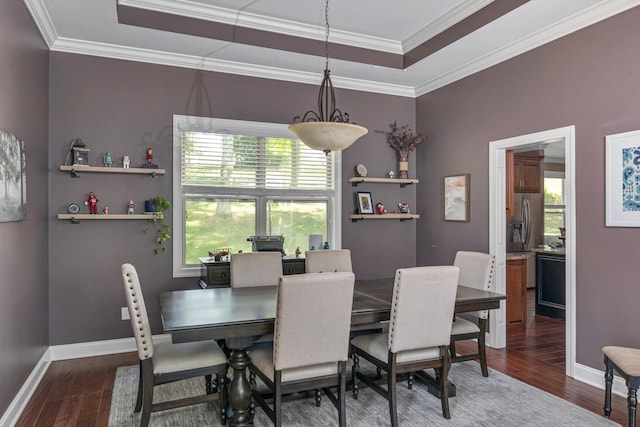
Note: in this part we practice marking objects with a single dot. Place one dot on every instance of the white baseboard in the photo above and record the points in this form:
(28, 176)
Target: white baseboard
(595, 378)
(13, 412)
(64, 352)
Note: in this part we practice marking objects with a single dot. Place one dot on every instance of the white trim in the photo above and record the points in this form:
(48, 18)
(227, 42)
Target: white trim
(595, 378)
(19, 402)
(43, 20)
(497, 230)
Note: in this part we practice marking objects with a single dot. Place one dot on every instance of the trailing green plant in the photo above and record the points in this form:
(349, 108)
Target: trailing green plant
(160, 205)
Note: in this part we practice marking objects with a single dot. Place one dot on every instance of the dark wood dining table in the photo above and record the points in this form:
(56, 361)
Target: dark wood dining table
(241, 315)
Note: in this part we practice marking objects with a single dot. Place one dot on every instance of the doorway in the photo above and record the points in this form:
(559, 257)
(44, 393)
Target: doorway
(498, 235)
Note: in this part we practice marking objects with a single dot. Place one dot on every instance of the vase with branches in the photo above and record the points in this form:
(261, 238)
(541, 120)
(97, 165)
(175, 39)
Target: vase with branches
(403, 141)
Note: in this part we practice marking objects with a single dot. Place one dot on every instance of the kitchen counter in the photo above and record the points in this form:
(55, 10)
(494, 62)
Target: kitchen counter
(513, 256)
(549, 250)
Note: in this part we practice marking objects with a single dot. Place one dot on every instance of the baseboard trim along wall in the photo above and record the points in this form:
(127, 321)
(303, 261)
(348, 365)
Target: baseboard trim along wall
(583, 373)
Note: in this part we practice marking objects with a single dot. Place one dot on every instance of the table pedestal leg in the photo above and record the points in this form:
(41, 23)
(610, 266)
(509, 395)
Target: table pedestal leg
(240, 390)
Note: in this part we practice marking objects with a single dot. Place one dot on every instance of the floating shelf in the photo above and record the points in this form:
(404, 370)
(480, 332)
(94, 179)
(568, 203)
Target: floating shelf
(76, 169)
(400, 216)
(402, 182)
(78, 217)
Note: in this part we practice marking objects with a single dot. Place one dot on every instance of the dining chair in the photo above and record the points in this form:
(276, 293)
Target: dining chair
(166, 362)
(626, 362)
(311, 345)
(255, 269)
(476, 271)
(327, 261)
(419, 333)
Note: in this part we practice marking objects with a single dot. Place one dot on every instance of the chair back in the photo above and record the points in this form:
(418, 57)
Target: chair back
(423, 305)
(137, 312)
(255, 269)
(476, 271)
(313, 319)
(328, 261)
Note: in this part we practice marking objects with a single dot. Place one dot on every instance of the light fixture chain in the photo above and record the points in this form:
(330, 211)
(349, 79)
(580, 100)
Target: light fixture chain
(326, 34)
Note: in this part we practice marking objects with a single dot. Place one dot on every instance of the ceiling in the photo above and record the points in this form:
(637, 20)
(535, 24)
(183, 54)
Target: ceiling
(405, 47)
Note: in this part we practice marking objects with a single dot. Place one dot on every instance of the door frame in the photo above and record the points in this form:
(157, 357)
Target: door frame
(498, 233)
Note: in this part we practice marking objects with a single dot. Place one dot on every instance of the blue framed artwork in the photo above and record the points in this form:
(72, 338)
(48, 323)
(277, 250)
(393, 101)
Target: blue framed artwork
(13, 178)
(623, 179)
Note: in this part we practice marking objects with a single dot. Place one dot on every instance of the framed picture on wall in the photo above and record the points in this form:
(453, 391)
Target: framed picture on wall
(13, 176)
(623, 179)
(365, 206)
(456, 198)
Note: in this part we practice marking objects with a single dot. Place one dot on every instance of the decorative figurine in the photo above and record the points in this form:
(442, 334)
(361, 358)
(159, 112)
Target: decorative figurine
(298, 252)
(149, 156)
(105, 211)
(380, 208)
(107, 160)
(391, 174)
(79, 152)
(131, 207)
(125, 162)
(92, 202)
(404, 208)
(326, 245)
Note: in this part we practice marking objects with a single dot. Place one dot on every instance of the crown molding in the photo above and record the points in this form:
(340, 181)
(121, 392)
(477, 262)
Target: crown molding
(221, 66)
(43, 20)
(578, 21)
(222, 15)
(446, 21)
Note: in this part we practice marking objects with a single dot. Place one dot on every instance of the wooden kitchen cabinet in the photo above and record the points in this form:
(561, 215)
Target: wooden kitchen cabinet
(526, 172)
(516, 296)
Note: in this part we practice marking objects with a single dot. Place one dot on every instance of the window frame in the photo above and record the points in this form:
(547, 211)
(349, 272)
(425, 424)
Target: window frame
(562, 208)
(182, 123)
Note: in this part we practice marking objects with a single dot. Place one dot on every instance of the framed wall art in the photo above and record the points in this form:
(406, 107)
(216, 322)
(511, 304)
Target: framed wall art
(623, 179)
(456, 198)
(364, 203)
(13, 178)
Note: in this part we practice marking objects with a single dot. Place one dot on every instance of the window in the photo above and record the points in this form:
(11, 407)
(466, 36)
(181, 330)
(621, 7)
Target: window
(554, 206)
(236, 179)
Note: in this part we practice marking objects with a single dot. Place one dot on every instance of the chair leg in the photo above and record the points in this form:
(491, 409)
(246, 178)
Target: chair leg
(391, 389)
(277, 399)
(452, 349)
(223, 396)
(608, 381)
(147, 393)
(354, 374)
(444, 383)
(410, 380)
(140, 387)
(482, 348)
(207, 384)
(318, 397)
(342, 391)
(632, 402)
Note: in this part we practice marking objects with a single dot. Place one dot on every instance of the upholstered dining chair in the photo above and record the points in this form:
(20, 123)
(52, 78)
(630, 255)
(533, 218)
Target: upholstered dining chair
(626, 362)
(419, 333)
(166, 362)
(327, 261)
(311, 345)
(476, 271)
(255, 269)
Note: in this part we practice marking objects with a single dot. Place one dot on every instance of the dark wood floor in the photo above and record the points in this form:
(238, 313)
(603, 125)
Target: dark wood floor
(78, 392)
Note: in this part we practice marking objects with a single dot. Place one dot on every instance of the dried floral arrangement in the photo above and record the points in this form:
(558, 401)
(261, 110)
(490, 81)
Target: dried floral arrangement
(403, 141)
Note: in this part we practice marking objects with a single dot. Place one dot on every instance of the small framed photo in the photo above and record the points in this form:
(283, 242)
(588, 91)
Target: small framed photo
(365, 206)
(623, 179)
(456, 198)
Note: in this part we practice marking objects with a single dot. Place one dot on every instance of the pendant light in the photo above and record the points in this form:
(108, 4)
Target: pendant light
(328, 129)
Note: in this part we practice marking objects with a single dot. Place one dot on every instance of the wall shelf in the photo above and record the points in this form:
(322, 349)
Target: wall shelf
(402, 182)
(75, 170)
(400, 216)
(75, 218)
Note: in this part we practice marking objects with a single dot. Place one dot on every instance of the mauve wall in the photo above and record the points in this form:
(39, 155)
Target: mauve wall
(589, 79)
(123, 107)
(24, 248)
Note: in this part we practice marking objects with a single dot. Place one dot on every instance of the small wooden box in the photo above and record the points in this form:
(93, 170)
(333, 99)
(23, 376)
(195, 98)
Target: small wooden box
(80, 156)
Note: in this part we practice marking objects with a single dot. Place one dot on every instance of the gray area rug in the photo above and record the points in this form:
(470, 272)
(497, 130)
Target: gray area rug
(495, 401)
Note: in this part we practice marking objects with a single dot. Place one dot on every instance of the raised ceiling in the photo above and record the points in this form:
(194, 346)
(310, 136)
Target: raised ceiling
(405, 47)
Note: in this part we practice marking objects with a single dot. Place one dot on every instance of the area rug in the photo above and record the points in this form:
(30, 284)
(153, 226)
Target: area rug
(498, 400)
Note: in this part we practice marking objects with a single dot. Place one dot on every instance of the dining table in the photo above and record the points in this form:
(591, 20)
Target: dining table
(241, 315)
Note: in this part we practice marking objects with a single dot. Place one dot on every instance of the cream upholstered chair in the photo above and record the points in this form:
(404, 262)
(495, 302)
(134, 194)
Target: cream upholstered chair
(311, 345)
(255, 269)
(327, 261)
(421, 311)
(626, 362)
(166, 362)
(476, 271)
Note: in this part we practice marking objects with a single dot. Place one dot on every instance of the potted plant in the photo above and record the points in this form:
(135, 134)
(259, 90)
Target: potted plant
(159, 206)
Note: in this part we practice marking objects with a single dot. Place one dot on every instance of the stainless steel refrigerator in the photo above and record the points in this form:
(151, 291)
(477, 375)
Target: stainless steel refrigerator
(525, 229)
